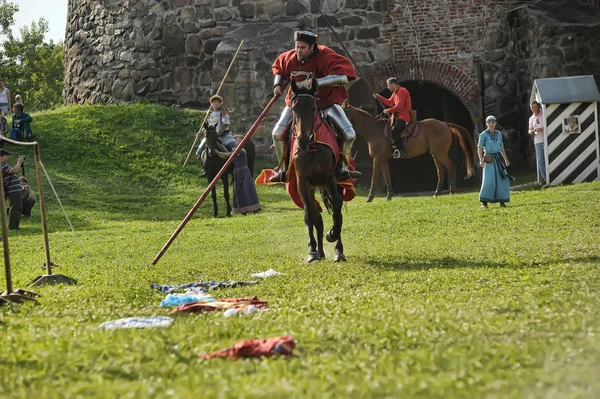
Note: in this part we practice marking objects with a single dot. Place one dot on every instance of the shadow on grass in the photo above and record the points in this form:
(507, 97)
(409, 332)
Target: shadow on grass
(409, 264)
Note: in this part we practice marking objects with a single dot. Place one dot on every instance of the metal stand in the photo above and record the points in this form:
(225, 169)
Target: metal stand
(48, 278)
(10, 295)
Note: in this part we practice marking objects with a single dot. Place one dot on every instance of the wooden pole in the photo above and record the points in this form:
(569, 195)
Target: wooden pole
(9, 287)
(40, 183)
(217, 177)
(210, 107)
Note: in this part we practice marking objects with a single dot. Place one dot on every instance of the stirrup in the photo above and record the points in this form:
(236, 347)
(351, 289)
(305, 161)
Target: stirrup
(396, 154)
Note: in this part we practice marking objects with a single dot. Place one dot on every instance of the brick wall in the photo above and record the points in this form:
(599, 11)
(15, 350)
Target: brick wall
(443, 41)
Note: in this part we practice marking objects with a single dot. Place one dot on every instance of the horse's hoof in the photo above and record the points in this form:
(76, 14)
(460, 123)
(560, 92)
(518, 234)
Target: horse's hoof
(330, 237)
(370, 199)
(339, 258)
(228, 215)
(313, 256)
(388, 198)
(436, 193)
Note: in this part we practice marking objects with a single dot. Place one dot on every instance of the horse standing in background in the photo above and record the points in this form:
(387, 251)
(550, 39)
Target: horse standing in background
(434, 137)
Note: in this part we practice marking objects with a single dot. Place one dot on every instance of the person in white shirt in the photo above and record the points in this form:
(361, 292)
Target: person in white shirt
(5, 103)
(536, 130)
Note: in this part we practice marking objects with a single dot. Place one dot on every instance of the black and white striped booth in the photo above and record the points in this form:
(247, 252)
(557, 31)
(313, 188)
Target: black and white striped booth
(571, 140)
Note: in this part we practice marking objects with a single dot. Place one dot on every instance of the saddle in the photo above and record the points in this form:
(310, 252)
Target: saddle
(411, 129)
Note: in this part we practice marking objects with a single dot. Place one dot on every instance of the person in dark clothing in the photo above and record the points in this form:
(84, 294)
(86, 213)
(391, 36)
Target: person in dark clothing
(12, 189)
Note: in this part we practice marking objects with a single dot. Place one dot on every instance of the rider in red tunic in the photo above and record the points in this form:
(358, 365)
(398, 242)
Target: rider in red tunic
(331, 71)
(400, 106)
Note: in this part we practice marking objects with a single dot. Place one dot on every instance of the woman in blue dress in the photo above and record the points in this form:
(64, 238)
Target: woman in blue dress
(495, 185)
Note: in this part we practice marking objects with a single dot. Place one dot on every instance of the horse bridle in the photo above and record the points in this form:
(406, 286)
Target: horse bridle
(297, 134)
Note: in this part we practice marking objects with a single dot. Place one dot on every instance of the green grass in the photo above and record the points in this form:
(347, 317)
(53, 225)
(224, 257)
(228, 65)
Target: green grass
(438, 299)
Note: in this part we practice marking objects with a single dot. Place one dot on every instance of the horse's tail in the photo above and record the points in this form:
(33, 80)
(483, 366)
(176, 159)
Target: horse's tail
(467, 144)
(327, 200)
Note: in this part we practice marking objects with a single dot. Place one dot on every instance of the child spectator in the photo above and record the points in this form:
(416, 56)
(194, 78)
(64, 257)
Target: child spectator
(28, 197)
(18, 99)
(21, 123)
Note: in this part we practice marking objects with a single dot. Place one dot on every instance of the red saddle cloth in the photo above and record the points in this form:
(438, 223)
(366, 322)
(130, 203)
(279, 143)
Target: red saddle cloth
(323, 135)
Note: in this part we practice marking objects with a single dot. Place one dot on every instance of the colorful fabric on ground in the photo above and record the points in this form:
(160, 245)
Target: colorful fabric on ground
(265, 274)
(222, 304)
(256, 348)
(137, 322)
(208, 285)
(182, 299)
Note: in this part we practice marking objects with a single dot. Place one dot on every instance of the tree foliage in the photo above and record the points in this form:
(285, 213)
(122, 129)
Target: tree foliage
(30, 66)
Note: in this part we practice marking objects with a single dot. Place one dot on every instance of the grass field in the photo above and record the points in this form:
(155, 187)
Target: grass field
(438, 299)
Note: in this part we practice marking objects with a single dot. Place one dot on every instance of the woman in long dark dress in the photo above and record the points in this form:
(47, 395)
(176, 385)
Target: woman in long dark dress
(245, 198)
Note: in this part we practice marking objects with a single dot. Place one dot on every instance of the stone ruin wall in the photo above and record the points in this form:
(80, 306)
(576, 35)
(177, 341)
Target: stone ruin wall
(176, 52)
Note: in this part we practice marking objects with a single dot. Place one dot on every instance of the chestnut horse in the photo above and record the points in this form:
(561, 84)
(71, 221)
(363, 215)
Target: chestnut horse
(435, 137)
(314, 165)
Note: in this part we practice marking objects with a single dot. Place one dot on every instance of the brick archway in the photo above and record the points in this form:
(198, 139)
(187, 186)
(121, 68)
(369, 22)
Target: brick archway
(448, 76)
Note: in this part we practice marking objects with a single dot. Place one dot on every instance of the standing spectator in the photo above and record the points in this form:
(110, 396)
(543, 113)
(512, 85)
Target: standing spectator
(12, 189)
(5, 103)
(536, 130)
(245, 198)
(21, 123)
(28, 197)
(495, 185)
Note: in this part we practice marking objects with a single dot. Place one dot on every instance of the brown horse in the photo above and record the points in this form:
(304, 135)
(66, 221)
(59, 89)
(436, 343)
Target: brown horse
(435, 137)
(314, 164)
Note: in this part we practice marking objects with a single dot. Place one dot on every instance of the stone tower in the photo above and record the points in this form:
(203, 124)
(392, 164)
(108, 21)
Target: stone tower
(460, 59)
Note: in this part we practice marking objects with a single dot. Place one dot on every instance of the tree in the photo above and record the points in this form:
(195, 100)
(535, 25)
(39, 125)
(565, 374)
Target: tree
(7, 15)
(29, 66)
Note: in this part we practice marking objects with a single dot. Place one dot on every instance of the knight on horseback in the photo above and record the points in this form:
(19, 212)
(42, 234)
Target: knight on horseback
(400, 106)
(331, 71)
(218, 117)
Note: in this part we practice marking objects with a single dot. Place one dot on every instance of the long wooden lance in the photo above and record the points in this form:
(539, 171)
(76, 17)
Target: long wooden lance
(210, 107)
(247, 137)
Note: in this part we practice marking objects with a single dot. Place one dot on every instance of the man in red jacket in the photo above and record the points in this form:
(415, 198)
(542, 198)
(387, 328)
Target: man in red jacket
(399, 107)
(331, 71)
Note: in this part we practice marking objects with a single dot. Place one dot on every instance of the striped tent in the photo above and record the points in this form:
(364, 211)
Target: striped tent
(572, 141)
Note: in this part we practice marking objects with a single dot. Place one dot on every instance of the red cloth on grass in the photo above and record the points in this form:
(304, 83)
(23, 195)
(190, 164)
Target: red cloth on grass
(256, 348)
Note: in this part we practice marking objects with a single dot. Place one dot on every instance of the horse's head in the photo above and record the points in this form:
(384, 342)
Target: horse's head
(304, 108)
(211, 137)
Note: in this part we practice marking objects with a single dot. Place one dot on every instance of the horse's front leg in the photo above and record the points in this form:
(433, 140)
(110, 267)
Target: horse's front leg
(335, 234)
(374, 176)
(213, 193)
(225, 179)
(309, 217)
(385, 169)
(318, 222)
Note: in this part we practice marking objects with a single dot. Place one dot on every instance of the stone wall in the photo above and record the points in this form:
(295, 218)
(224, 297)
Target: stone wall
(176, 52)
(554, 39)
